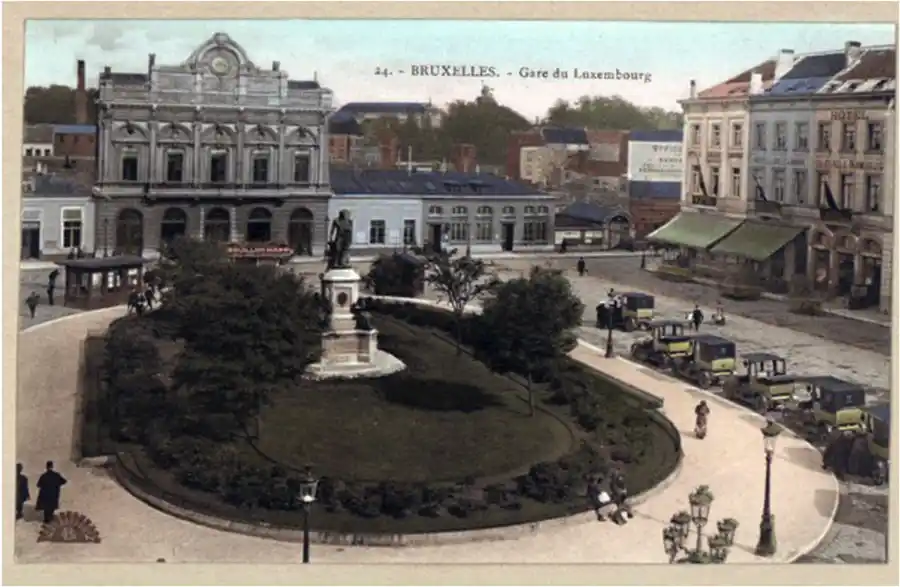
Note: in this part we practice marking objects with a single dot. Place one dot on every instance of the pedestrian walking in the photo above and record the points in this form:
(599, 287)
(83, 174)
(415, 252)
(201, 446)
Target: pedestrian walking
(697, 317)
(150, 297)
(32, 303)
(49, 488)
(581, 267)
(22, 492)
(51, 285)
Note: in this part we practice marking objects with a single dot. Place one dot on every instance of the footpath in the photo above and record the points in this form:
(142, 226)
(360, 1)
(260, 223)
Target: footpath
(730, 460)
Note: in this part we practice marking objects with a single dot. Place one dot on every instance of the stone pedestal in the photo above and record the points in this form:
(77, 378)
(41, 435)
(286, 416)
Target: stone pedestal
(347, 351)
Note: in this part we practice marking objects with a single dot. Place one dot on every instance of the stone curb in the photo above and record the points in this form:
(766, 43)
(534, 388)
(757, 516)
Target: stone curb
(722, 401)
(125, 477)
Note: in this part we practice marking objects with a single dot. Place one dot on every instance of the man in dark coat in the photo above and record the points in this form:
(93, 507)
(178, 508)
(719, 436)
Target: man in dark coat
(51, 285)
(22, 493)
(49, 487)
(32, 302)
(697, 317)
(581, 267)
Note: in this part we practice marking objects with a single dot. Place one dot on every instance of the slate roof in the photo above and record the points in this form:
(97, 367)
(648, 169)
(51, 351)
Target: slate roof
(384, 107)
(303, 85)
(38, 133)
(344, 124)
(593, 212)
(74, 129)
(400, 182)
(875, 71)
(564, 136)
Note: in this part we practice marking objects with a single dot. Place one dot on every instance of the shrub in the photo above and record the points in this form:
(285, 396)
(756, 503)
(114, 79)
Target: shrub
(399, 274)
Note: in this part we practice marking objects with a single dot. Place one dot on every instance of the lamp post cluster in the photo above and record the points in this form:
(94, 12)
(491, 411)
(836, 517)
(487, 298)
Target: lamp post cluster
(308, 487)
(676, 534)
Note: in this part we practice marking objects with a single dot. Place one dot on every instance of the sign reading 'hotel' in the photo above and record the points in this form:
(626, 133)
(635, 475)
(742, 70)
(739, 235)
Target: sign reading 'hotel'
(849, 115)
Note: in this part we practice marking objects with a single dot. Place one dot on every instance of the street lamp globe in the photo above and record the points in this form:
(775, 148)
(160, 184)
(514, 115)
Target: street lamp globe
(308, 487)
(701, 501)
(770, 434)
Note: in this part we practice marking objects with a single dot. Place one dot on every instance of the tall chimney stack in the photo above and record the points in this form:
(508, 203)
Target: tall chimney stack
(81, 106)
(852, 51)
(784, 63)
(693, 94)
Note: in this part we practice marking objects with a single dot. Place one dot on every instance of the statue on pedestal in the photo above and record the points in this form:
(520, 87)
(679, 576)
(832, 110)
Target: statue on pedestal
(340, 237)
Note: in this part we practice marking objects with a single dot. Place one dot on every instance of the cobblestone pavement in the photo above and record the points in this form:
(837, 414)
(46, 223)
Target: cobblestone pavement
(36, 281)
(627, 272)
(860, 528)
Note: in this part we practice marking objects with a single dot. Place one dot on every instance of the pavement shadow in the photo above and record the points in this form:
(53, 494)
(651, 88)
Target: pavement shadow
(824, 502)
(805, 456)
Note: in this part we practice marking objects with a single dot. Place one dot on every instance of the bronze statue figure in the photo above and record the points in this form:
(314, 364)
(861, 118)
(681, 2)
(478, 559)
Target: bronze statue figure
(340, 237)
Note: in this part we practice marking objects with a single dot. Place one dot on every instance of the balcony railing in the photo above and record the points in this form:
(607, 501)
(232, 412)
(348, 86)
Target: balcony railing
(701, 200)
(314, 100)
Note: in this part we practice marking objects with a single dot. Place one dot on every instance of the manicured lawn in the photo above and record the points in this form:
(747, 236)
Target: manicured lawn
(443, 418)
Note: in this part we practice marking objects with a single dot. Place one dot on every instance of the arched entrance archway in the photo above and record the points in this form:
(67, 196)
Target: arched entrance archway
(259, 226)
(300, 231)
(217, 225)
(130, 232)
(172, 226)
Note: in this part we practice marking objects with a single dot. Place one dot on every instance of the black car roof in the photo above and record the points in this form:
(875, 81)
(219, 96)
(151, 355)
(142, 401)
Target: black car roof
(881, 411)
(635, 294)
(830, 383)
(760, 357)
(712, 340)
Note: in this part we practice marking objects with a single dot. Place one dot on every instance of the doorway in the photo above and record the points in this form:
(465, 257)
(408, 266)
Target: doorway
(31, 240)
(509, 233)
(437, 235)
(845, 274)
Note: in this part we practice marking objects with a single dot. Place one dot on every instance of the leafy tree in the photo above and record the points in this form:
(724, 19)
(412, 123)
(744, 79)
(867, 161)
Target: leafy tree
(395, 275)
(460, 280)
(611, 113)
(55, 104)
(528, 324)
(484, 123)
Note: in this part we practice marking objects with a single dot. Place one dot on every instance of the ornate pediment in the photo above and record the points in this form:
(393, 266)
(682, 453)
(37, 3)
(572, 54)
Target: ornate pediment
(220, 55)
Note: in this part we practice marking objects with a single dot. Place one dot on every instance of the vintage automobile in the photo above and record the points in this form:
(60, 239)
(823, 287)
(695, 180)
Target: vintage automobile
(834, 403)
(711, 361)
(635, 311)
(877, 425)
(763, 384)
(667, 341)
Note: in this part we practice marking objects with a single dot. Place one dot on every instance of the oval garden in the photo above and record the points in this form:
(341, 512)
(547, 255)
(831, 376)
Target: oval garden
(490, 423)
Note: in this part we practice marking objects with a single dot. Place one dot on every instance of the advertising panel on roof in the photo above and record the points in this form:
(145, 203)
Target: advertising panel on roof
(654, 161)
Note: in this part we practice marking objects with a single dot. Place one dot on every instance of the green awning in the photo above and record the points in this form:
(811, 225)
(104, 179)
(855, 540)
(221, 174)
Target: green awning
(695, 230)
(756, 241)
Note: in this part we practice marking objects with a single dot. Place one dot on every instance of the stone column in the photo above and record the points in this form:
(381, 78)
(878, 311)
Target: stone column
(197, 177)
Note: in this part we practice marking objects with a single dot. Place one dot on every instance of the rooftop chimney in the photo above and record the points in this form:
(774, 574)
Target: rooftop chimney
(784, 62)
(693, 93)
(852, 50)
(276, 66)
(151, 62)
(756, 83)
(81, 116)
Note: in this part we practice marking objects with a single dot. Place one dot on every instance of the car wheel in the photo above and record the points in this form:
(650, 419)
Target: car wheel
(630, 324)
(704, 379)
(762, 404)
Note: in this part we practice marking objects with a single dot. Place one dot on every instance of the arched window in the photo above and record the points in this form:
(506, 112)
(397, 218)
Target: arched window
(460, 211)
(130, 232)
(435, 211)
(259, 226)
(535, 230)
(508, 211)
(300, 231)
(484, 211)
(173, 225)
(217, 226)
(543, 210)
(530, 210)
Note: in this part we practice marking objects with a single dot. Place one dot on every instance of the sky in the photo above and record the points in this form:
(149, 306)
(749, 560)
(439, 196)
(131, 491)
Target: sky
(345, 54)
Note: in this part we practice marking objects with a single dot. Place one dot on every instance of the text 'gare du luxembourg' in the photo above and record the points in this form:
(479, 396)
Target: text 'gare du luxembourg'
(220, 149)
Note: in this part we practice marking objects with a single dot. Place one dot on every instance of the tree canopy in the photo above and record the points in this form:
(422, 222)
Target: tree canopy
(528, 323)
(55, 105)
(611, 113)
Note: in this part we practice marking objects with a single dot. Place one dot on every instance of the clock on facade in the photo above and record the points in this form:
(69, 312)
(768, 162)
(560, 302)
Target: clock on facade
(219, 65)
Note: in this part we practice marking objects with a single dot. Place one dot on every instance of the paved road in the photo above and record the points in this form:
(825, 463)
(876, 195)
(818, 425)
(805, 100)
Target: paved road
(860, 529)
(36, 281)
(803, 495)
(627, 272)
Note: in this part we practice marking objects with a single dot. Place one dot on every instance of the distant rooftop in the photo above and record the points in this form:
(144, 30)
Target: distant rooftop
(74, 129)
(427, 183)
(356, 108)
(565, 136)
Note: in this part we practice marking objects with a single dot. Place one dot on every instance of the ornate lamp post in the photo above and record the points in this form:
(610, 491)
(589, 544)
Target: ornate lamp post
(676, 534)
(767, 544)
(307, 497)
(609, 328)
